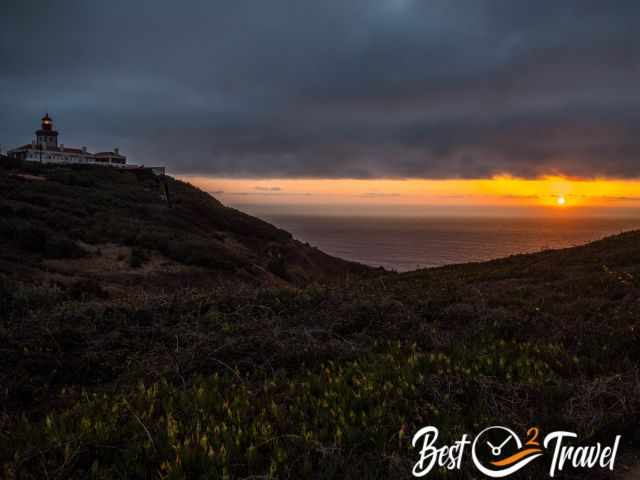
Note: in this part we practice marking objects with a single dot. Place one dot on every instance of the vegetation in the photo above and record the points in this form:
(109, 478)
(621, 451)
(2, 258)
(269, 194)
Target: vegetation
(189, 378)
(51, 211)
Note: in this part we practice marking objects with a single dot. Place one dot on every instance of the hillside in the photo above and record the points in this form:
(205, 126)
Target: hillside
(117, 228)
(285, 377)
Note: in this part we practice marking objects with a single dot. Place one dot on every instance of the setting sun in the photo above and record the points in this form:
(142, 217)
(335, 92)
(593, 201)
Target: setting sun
(561, 201)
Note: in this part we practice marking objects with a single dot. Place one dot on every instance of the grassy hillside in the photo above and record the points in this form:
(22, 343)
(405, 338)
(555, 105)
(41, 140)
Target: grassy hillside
(77, 214)
(109, 378)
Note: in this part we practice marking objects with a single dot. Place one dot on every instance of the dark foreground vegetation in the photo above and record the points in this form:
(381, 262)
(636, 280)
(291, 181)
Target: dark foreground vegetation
(127, 352)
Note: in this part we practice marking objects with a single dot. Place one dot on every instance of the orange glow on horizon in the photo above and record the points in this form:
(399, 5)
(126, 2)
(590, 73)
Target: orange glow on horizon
(550, 191)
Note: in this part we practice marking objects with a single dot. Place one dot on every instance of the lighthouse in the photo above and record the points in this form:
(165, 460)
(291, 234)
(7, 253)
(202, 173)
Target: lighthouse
(47, 136)
(44, 148)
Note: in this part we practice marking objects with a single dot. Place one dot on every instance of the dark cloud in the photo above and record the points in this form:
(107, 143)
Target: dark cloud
(332, 88)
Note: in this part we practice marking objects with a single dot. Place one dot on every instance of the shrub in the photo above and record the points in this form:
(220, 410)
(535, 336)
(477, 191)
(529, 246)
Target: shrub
(278, 266)
(137, 257)
(57, 246)
(6, 295)
(31, 238)
(86, 289)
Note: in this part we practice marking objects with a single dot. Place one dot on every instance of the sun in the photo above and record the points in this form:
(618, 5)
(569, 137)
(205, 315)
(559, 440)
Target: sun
(561, 201)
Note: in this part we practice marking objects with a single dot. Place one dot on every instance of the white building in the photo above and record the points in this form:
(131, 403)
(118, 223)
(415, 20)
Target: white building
(45, 149)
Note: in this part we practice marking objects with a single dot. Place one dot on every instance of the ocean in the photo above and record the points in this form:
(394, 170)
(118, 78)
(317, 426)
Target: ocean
(405, 243)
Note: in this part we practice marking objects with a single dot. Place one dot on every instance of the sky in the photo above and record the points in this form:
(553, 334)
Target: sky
(341, 101)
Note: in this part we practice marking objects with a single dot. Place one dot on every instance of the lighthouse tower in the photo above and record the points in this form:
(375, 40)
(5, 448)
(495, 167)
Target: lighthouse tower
(47, 136)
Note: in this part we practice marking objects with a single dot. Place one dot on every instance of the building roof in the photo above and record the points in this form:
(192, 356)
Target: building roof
(53, 149)
(79, 151)
(108, 154)
(73, 150)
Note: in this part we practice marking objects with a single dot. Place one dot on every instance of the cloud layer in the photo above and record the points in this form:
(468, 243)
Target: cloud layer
(332, 88)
